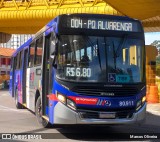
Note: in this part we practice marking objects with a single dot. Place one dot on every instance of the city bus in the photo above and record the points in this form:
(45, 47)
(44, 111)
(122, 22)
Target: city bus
(82, 69)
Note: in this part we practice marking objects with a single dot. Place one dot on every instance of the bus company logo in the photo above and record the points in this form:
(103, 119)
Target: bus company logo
(103, 102)
(107, 94)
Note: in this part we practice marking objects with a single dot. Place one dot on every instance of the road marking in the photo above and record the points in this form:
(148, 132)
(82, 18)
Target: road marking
(4, 95)
(13, 110)
(10, 109)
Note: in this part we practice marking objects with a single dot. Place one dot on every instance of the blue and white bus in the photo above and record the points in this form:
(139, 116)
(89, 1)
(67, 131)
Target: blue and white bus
(82, 69)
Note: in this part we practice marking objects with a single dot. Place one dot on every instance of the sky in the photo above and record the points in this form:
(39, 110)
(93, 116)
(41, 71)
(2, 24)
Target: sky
(150, 37)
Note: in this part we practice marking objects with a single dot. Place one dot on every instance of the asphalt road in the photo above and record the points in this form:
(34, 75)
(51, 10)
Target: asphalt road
(23, 121)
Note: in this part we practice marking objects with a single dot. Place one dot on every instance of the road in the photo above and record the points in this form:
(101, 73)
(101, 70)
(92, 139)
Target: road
(24, 121)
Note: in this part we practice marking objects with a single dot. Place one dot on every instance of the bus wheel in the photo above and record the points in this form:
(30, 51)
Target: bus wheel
(38, 110)
(18, 105)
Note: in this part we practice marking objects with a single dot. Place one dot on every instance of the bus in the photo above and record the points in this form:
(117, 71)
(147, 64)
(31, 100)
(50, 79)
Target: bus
(82, 69)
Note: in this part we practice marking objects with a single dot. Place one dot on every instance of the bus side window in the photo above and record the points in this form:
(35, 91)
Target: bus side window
(31, 55)
(11, 63)
(17, 61)
(20, 60)
(39, 51)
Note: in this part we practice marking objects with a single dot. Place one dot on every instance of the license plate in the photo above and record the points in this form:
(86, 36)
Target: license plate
(107, 115)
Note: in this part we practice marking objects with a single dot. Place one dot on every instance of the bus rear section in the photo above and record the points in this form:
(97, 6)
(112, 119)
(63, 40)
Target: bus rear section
(91, 71)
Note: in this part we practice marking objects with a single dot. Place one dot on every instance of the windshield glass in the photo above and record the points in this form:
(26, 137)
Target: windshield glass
(100, 59)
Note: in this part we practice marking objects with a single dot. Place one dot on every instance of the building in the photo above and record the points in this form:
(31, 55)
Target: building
(16, 41)
(5, 61)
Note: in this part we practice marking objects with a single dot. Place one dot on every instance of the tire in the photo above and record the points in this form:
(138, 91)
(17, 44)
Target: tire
(18, 105)
(38, 112)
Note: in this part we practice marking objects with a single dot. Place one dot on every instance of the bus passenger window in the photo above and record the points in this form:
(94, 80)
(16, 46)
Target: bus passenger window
(11, 63)
(20, 60)
(39, 48)
(31, 56)
(17, 61)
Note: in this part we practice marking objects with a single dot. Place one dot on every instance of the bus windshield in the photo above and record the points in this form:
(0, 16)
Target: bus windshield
(100, 59)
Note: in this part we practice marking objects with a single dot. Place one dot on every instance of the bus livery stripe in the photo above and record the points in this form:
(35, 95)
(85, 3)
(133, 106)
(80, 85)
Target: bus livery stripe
(52, 97)
(84, 100)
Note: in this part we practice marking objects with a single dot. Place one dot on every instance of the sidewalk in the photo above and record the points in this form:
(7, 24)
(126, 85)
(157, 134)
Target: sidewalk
(154, 109)
(153, 115)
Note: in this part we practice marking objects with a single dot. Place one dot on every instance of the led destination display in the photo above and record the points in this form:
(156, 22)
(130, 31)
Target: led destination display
(103, 24)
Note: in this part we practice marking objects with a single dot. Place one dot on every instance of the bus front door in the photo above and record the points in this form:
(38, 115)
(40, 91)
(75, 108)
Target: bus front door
(24, 75)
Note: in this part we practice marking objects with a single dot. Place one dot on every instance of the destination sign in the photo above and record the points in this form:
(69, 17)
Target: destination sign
(103, 24)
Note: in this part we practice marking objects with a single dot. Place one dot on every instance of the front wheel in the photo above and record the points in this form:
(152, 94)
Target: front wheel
(38, 110)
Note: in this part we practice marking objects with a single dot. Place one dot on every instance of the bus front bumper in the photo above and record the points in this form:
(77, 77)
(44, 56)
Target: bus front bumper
(64, 115)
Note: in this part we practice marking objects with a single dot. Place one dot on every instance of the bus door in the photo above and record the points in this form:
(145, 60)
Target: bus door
(24, 74)
(13, 75)
(30, 88)
(47, 76)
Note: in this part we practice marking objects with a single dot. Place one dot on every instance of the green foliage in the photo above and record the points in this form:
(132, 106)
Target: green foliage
(158, 60)
(158, 70)
(156, 43)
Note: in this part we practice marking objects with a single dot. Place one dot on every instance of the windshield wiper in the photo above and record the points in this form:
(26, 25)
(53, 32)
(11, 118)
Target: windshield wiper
(121, 45)
(99, 59)
(114, 56)
(117, 52)
(92, 45)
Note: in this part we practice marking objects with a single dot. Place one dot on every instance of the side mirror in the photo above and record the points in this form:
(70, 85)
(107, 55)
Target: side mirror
(55, 66)
(53, 61)
(52, 56)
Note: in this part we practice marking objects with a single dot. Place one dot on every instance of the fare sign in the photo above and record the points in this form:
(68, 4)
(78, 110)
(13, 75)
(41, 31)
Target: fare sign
(103, 24)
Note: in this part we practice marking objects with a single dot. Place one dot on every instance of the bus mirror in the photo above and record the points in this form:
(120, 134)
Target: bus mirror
(55, 66)
(52, 47)
(53, 59)
(52, 56)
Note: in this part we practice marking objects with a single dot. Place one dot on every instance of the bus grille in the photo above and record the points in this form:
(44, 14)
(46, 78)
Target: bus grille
(105, 91)
(95, 115)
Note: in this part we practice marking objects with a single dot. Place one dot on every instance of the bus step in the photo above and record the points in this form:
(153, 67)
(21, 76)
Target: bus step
(45, 117)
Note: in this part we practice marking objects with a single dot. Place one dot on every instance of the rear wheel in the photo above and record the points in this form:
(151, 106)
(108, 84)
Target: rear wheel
(38, 110)
(18, 105)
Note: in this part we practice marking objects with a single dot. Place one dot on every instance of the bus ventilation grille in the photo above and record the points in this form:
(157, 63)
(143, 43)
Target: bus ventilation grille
(95, 115)
(105, 91)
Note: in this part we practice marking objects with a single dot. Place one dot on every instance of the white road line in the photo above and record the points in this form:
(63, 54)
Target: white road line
(10, 109)
(4, 95)
(13, 110)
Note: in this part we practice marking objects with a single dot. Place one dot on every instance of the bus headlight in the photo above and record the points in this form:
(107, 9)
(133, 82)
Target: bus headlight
(71, 104)
(143, 99)
(61, 98)
(140, 103)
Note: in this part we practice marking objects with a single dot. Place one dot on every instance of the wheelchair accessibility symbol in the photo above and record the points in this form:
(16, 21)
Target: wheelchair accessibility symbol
(111, 77)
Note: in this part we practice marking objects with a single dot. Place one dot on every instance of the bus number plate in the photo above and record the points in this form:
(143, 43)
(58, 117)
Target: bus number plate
(107, 115)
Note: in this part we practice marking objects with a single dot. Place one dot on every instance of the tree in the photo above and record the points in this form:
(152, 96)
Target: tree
(156, 43)
(158, 60)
